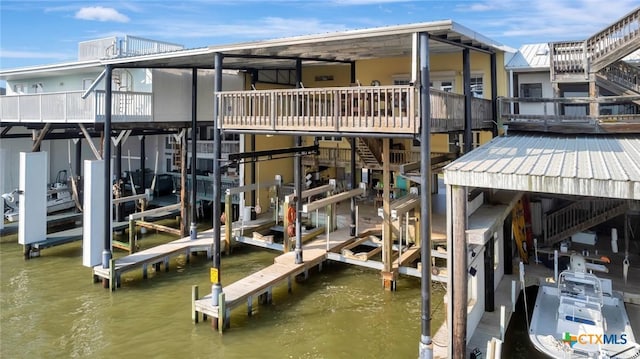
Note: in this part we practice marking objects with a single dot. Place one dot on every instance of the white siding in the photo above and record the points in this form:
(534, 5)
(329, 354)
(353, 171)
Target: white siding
(547, 92)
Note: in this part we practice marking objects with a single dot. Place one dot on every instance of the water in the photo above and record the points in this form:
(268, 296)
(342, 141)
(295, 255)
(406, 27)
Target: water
(49, 308)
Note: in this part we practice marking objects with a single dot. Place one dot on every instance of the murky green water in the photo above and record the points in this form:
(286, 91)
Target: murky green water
(49, 308)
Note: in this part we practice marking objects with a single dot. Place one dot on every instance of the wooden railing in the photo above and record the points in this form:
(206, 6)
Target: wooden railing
(623, 75)
(568, 57)
(605, 47)
(614, 39)
(383, 109)
(579, 216)
(70, 107)
(340, 109)
(338, 156)
(571, 114)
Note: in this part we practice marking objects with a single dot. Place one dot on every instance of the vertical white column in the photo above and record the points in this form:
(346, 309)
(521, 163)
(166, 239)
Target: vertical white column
(32, 226)
(4, 173)
(93, 215)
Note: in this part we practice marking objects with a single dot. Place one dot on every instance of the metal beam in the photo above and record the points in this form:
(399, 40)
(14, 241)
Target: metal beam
(466, 88)
(442, 39)
(255, 155)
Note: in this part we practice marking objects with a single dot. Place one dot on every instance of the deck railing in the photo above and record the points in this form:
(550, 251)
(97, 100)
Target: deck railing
(342, 156)
(617, 114)
(70, 107)
(385, 109)
(624, 75)
(599, 50)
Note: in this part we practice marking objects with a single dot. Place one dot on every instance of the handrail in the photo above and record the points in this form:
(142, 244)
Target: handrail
(613, 37)
(623, 75)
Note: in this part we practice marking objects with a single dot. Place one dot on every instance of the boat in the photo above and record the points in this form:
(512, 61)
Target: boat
(59, 198)
(581, 317)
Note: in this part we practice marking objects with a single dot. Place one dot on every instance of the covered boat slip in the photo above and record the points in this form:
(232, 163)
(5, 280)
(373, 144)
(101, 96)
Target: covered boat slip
(574, 167)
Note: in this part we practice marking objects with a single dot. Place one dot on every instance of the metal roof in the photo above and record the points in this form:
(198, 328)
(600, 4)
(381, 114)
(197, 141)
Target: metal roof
(530, 57)
(344, 46)
(582, 165)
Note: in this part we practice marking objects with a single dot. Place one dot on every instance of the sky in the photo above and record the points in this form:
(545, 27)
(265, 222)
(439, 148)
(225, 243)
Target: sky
(46, 32)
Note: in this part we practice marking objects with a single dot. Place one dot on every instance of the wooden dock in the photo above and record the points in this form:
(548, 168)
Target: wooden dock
(160, 255)
(261, 283)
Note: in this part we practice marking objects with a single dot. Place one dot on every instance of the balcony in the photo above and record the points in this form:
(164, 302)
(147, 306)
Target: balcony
(70, 107)
(371, 109)
(362, 109)
(615, 114)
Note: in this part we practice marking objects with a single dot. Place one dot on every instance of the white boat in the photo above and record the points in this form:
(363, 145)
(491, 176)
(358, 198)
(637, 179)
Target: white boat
(59, 198)
(581, 317)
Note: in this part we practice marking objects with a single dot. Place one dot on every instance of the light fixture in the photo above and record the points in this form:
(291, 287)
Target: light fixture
(473, 271)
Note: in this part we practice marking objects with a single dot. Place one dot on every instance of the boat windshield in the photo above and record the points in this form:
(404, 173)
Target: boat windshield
(581, 286)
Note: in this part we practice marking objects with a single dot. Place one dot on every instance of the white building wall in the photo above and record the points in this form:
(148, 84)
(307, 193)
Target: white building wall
(547, 92)
(172, 93)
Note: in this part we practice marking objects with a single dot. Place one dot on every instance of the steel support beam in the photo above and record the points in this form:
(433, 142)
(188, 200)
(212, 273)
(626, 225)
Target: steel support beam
(106, 143)
(466, 87)
(216, 289)
(193, 230)
(426, 345)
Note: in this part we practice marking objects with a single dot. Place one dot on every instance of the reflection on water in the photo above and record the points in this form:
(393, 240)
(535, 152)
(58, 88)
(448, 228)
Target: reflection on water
(50, 308)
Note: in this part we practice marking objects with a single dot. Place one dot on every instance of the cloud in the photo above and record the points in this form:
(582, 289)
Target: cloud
(100, 13)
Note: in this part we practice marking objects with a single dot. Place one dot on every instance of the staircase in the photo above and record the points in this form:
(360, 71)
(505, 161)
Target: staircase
(574, 61)
(620, 78)
(580, 216)
(369, 150)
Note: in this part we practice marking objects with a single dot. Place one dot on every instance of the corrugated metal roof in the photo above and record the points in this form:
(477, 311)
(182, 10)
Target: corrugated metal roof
(582, 165)
(530, 57)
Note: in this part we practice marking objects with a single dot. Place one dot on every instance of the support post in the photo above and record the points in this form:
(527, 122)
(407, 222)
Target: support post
(426, 345)
(193, 229)
(388, 275)
(228, 225)
(594, 108)
(143, 158)
(117, 173)
(297, 174)
(106, 146)
(216, 288)
(460, 295)
(184, 199)
(489, 290)
(352, 226)
(78, 158)
(507, 240)
(494, 94)
(466, 80)
(253, 170)
(194, 297)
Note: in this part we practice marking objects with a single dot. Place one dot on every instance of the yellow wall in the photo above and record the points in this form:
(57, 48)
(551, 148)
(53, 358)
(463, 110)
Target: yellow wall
(268, 169)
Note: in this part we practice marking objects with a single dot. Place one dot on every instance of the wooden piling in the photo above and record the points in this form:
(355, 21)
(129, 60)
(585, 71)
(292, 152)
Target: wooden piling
(194, 297)
(112, 274)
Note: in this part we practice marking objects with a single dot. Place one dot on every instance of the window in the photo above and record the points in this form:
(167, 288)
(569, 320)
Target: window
(477, 86)
(443, 85)
(531, 90)
(330, 138)
(18, 88)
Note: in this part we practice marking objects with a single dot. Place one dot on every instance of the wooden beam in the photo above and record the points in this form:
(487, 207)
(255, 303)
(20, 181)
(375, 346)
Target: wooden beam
(138, 215)
(87, 136)
(41, 136)
(311, 192)
(387, 229)
(331, 200)
(158, 227)
(459, 290)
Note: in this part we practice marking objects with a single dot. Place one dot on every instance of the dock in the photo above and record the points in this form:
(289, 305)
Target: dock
(53, 220)
(261, 283)
(161, 255)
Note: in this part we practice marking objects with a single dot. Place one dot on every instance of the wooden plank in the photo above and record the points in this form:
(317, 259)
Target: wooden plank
(159, 227)
(155, 211)
(331, 200)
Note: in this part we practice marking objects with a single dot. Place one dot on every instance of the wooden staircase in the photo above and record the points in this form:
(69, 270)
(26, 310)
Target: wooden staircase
(580, 216)
(370, 152)
(573, 61)
(620, 78)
